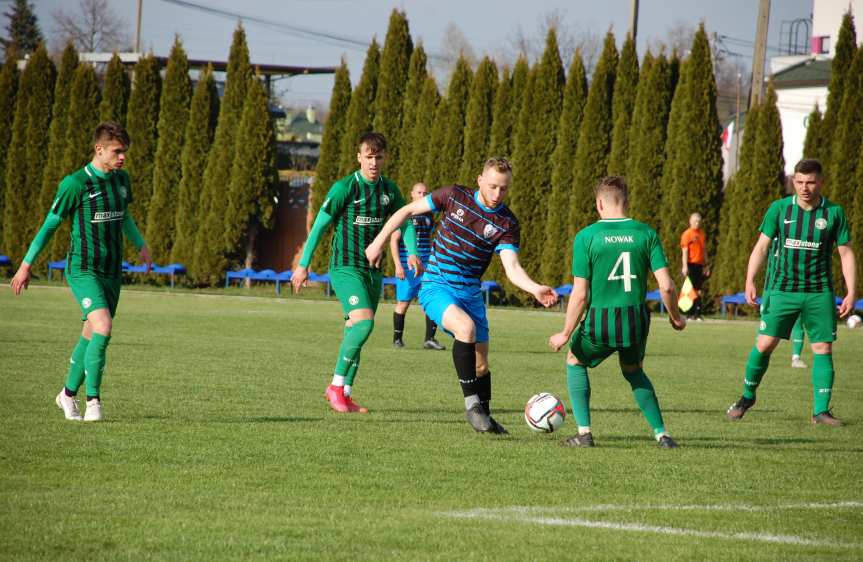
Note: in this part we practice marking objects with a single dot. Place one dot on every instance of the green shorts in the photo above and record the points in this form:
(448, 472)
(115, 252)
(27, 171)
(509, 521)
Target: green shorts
(780, 310)
(94, 292)
(357, 288)
(591, 353)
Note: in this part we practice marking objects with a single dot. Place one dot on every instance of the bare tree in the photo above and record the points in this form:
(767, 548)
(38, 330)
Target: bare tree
(93, 27)
(454, 44)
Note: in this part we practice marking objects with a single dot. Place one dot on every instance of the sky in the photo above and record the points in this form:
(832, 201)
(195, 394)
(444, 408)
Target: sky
(342, 28)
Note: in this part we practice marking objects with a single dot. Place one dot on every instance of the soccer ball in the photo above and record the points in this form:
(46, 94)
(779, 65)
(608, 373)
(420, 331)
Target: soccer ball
(544, 412)
(854, 321)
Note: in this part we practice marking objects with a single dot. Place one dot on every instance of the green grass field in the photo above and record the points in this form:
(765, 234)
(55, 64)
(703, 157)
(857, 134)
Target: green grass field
(218, 445)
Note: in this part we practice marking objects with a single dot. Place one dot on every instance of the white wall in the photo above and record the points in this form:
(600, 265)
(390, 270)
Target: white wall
(794, 105)
(827, 18)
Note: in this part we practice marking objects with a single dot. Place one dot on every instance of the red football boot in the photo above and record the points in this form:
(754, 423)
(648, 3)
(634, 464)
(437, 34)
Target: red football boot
(354, 407)
(336, 397)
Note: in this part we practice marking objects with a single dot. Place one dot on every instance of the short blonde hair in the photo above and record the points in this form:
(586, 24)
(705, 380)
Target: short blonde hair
(613, 187)
(499, 163)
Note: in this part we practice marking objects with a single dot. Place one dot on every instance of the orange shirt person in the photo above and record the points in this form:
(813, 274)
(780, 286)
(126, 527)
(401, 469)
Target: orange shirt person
(694, 259)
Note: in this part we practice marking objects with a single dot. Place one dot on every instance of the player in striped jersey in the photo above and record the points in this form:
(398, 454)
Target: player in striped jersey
(797, 332)
(97, 198)
(357, 205)
(474, 226)
(807, 226)
(408, 284)
(610, 262)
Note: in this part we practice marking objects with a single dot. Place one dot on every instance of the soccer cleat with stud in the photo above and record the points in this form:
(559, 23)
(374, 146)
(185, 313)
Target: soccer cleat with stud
(69, 405)
(354, 407)
(433, 344)
(335, 395)
(398, 344)
(496, 428)
(94, 410)
(798, 363)
(580, 440)
(736, 410)
(478, 419)
(666, 442)
(826, 418)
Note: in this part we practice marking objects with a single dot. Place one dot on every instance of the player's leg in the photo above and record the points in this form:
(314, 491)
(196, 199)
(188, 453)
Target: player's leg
(403, 302)
(696, 276)
(819, 317)
(631, 362)
(430, 342)
(583, 353)
(797, 336)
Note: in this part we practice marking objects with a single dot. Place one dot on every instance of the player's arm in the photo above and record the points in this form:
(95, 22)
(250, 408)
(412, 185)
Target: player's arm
(375, 250)
(574, 311)
(301, 274)
(684, 261)
(756, 260)
(519, 277)
(668, 294)
(21, 279)
(394, 253)
(130, 230)
(849, 272)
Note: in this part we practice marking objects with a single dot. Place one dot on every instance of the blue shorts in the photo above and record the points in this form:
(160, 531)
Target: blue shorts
(435, 298)
(408, 288)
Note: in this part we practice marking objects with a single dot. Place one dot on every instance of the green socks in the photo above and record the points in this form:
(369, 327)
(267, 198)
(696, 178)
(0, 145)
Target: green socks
(94, 363)
(349, 352)
(645, 397)
(579, 393)
(755, 369)
(822, 382)
(797, 338)
(75, 376)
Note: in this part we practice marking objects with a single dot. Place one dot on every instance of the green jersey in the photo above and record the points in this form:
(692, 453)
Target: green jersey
(359, 209)
(804, 244)
(615, 256)
(97, 203)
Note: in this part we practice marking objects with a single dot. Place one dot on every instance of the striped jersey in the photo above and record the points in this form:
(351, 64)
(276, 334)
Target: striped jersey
(615, 257)
(424, 226)
(770, 270)
(359, 209)
(467, 237)
(804, 244)
(97, 202)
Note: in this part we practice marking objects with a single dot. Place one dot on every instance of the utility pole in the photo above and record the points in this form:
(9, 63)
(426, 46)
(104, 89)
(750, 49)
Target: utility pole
(760, 52)
(736, 137)
(138, 29)
(633, 20)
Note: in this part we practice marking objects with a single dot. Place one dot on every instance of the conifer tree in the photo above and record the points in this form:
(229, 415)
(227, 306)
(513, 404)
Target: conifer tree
(696, 171)
(26, 154)
(594, 141)
(57, 134)
(254, 177)
(647, 141)
(203, 114)
(115, 94)
(501, 126)
(83, 117)
(848, 137)
(327, 171)
(840, 68)
(812, 144)
(22, 29)
(430, 159)
(625, 85)
(389, 99)
(209, 263)
(855, 219)
(360, 110)
(173, 117)
(417, 73)
(142, 123)
(478, 121)
(531, 184)
(419, 147)
(557, 243)
(8, 93)
(447, 161)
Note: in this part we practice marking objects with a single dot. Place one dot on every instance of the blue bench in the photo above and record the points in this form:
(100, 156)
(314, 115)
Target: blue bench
(388, 281)
(321, 278)
(58, 265)
(252, 275)
(4, 260)
(487, 287)
(172, 270)
(736, 299)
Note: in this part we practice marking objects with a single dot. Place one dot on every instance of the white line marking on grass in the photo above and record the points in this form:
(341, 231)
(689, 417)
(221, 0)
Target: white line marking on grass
(526, 514)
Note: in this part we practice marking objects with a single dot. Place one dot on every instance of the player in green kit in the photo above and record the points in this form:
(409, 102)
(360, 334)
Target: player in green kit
(807, 226)
(610, 262)
(357, 205)
(96, 197)
(797, 332)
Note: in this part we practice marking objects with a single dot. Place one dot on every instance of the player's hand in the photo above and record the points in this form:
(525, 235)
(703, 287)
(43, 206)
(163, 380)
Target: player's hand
(21, 280)
(374, 253)
(558, 340)
(846, 307)
(415, 265)
(678, 323)
(545, 295)
(751, 293)
(145, 257)
(299, 278)
(684, 271)
(400, 271)
(706, 270)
